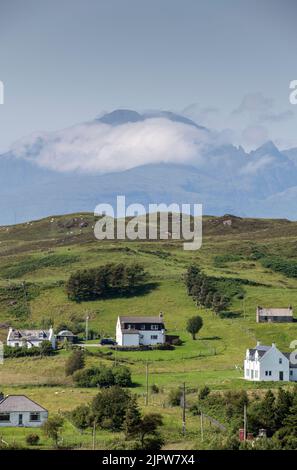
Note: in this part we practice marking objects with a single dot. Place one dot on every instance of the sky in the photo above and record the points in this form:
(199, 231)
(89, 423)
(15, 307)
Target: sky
(225, 63)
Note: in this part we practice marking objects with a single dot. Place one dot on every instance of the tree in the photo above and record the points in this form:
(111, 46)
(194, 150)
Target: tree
(132, 421)
(122, 376)
(75, 361)
(282, 406)
(52, 428)
(149, 427)
(109, 407)
(46, 348)
(194, 325)
(81, 417)
(192, 277)
(216, 302)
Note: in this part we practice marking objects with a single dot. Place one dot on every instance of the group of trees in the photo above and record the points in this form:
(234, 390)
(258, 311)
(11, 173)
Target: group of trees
(274, 412)
(103, 377)
(105, 281)
(284, 266)
(116, 409)
(204, 291)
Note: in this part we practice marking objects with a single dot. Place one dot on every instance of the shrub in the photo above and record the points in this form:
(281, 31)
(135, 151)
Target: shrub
(103, 377)
(122, 376)
(204, 392)
(76, 361)
(175, 396)
(155, 389)
(32, 439)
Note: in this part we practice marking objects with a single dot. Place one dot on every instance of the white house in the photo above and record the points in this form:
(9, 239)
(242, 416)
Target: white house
(137, 331)
(267, 363)
(29, 338)
(277, 315)
(20, 411)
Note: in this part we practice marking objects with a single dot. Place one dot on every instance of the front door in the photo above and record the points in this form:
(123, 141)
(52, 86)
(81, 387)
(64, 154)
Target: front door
(281, 376)
(20, 420)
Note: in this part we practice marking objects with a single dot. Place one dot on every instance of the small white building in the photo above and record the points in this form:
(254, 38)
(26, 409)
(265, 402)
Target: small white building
(29, 338)
(268, 363)
(20, 411)
(140, 331)
(274, 315)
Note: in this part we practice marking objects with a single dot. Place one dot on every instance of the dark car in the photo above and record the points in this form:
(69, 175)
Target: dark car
(107, 342)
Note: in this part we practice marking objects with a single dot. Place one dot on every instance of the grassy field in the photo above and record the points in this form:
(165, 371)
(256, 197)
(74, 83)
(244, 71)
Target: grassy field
(37, 258)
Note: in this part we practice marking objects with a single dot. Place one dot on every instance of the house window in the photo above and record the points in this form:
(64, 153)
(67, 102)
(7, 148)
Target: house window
(154, 327)
(270, 373)
(256, 374)
(291, 372)
(154, 336)
(247, 372)
(266, 372)
(4, 417)
(34, 416)
(280, 361)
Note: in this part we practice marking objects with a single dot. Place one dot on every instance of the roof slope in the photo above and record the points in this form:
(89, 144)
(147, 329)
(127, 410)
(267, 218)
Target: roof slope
(275, 312)
(19, 403)
(136, 319)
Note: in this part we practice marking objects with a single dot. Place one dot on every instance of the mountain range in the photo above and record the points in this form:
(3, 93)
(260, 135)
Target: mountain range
(197, 168)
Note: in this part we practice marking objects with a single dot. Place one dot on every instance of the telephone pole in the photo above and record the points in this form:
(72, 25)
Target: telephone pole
(147, 383)
(184, 409)
(94, 435)
(244, 423)
(87, 327)
(201, 426)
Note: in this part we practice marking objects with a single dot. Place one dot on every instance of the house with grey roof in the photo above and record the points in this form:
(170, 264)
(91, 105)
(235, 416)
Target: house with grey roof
(21, 411)
(67, 335)
(30, 338)
(277, 315)
(268, 363)
(139, 330)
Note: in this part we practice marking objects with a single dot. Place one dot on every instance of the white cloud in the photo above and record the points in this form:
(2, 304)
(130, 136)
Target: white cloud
(98, 147)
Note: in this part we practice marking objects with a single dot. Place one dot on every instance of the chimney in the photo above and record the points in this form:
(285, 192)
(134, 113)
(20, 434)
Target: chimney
(258, 343)
(161, 316)
(273, 345)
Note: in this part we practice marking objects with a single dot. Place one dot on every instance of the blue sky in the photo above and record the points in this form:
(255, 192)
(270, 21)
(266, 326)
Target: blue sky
(226, 64)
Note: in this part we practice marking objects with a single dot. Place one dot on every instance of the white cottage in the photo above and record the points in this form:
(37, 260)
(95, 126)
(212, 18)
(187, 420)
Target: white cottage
(138, 331)
(29, 338)
(20, 411)
(268, 363)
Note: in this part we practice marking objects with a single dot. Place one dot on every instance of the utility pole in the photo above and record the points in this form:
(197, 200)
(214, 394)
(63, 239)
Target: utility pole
(94, 434)
(244, 423)
(201, 426)
(184, 409)
(243, 305)
(87, 327)
(147, 383)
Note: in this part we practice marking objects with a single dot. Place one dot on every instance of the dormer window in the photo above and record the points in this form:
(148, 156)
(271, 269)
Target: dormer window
(154, 327)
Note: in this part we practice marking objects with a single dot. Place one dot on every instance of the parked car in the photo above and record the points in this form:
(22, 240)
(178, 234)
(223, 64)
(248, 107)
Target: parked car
(107, 342)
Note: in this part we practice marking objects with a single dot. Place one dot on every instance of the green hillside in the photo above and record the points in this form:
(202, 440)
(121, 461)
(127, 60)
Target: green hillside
(37, 258)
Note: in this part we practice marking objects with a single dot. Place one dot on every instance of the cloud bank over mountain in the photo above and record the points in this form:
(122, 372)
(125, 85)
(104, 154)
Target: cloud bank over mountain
(152, 157)
(100, 146)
